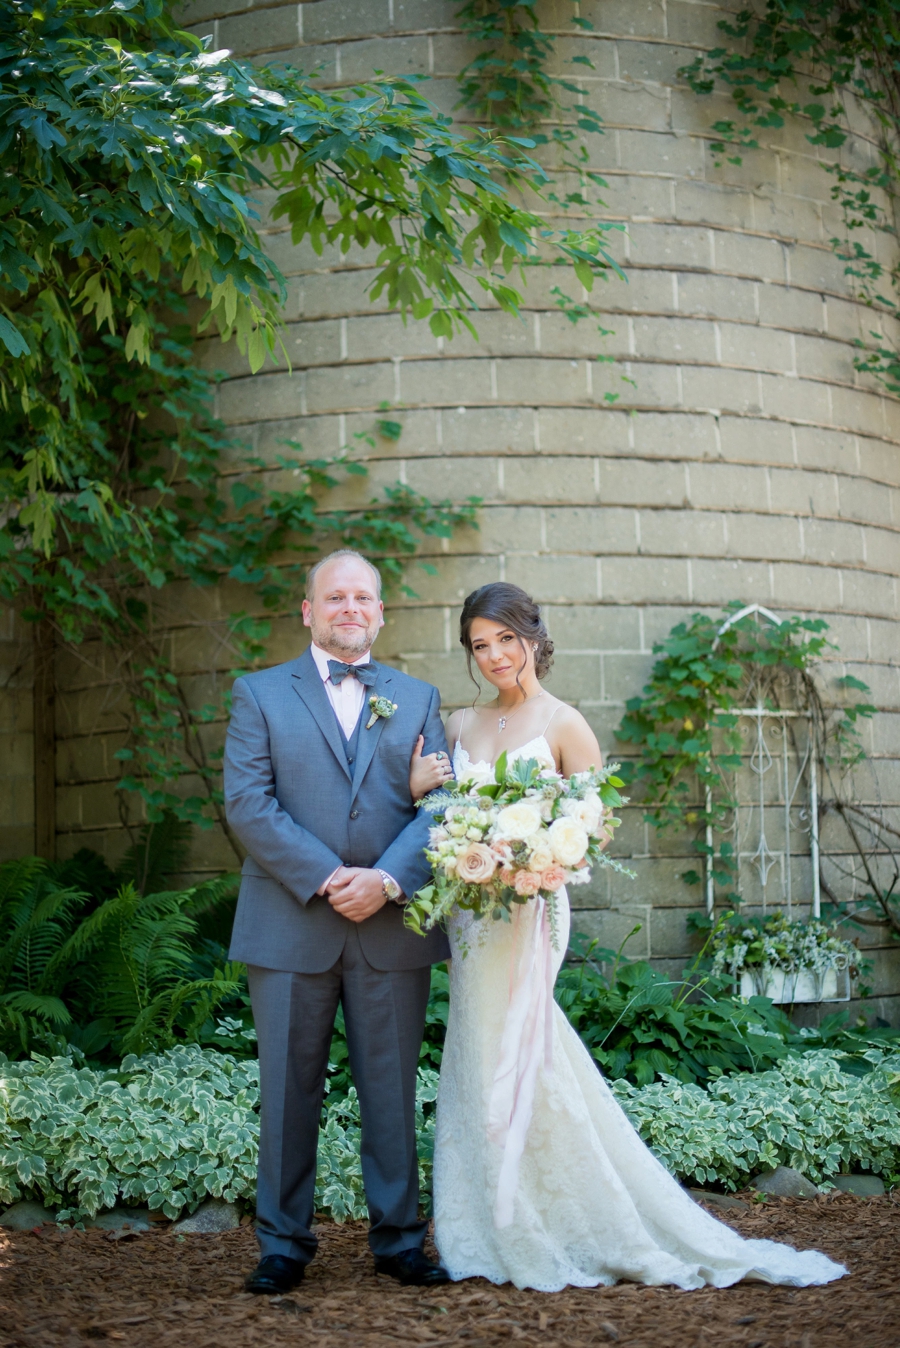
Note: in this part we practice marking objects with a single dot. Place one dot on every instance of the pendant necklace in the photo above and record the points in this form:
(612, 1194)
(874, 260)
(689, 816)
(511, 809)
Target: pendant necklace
(502, 720)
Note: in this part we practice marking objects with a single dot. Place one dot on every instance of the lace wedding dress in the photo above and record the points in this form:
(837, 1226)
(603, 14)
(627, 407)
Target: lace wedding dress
(539, 1178)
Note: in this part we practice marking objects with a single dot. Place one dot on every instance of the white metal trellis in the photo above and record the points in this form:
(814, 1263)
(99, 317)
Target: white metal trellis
(761, 762)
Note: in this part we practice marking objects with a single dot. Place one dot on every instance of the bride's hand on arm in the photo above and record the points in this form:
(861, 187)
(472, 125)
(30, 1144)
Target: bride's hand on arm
(427, 772)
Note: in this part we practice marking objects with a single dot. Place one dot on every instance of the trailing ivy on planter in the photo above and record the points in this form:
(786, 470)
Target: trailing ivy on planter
(762, 947)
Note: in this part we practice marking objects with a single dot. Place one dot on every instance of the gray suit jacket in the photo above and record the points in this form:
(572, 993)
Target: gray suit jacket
(301, 811)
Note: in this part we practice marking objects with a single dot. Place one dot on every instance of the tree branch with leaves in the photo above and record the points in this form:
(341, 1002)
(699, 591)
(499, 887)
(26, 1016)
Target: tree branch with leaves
(132, 157)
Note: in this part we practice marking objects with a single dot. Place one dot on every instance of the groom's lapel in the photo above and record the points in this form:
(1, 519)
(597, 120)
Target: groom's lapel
(368, 739)
(309, 686)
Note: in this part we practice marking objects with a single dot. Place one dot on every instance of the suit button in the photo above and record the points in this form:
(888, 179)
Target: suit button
(354, 814)
(349, 759)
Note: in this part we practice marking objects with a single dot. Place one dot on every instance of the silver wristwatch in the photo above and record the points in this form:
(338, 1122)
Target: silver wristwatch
(389, 888)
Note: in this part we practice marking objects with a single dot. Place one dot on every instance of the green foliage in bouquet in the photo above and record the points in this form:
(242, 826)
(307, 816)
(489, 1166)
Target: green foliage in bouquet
(807, 1112)
(495, 844)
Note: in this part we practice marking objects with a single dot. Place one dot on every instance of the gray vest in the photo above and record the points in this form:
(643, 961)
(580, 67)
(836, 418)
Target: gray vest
(351, 749)
(352, 744)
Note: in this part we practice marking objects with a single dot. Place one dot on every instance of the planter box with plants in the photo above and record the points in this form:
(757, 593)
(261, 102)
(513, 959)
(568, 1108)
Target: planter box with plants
(786, 961)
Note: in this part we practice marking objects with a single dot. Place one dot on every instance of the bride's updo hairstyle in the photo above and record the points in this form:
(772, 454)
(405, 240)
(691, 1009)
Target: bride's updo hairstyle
(513, 608)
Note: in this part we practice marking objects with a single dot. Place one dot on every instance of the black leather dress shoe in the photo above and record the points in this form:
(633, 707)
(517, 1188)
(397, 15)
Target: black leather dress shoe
(413, 1268)
(274, 1274)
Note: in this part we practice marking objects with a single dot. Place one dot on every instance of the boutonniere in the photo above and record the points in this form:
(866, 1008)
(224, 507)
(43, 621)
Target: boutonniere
(381, 707)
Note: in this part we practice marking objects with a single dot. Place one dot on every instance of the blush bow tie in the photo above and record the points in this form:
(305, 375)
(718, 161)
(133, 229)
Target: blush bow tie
(367, 674)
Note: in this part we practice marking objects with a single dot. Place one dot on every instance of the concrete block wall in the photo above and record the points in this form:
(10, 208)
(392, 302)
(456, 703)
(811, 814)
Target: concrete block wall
(747, 461)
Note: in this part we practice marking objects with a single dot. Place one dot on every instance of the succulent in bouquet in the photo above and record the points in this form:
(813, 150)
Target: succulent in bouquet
(522, 836)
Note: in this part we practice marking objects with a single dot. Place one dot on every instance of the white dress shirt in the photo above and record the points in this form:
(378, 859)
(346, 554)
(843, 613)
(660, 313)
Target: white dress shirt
(346, 698)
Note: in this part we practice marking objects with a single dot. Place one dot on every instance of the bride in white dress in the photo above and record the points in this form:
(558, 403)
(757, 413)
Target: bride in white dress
(539, 1178)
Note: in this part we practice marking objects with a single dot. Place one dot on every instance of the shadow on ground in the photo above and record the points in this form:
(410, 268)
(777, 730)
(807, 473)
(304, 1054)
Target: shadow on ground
(62, 1289)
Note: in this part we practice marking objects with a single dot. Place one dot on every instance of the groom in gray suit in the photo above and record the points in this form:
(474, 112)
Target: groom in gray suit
(317, 790)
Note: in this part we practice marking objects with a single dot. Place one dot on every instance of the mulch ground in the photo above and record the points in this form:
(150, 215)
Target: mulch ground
(62, 1289)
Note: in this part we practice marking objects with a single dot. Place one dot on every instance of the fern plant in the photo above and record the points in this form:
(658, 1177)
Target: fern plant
(108, 972)
(143, 947)
(37, 918)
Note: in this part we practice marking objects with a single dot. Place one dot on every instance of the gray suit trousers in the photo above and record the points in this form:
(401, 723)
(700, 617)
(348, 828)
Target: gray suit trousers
(384, 1012)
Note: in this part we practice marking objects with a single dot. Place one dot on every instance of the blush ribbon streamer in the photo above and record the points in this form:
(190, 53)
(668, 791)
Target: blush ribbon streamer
(526, 1043)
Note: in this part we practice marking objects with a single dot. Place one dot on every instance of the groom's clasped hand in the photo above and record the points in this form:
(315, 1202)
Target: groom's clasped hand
(356, 892)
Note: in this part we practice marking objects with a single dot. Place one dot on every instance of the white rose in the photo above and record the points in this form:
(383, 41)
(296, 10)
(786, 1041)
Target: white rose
(476, 776)
(568, 841)
(456, 830)
(519, 821)
(583, 811)
(474, 833)
(547, 809)
(541, 856)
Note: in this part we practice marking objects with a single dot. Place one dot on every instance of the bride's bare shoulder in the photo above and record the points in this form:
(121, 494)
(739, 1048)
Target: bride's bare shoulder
(564, 716)
(573, 741)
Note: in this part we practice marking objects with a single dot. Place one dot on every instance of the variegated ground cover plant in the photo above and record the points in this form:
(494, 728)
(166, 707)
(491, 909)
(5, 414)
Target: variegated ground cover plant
(170, 1129)
(808, 1112)
(166, 1130)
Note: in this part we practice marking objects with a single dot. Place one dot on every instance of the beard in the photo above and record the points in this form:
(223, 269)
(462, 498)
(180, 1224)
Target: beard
(340, 643)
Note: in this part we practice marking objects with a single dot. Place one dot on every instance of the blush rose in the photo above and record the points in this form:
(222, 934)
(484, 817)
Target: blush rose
(527, 883)
(476, 865)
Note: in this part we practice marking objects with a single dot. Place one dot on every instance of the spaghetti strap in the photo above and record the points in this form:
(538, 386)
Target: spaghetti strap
(552, 714)
(462, 721)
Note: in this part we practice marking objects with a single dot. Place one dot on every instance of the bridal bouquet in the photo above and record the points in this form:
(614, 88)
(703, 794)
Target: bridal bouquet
(519, 837)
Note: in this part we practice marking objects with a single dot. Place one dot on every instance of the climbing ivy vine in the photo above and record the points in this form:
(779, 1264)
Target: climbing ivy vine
(510, 84)
(817, 62)
(684, 725)
(132, 155)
